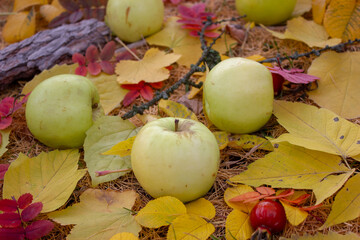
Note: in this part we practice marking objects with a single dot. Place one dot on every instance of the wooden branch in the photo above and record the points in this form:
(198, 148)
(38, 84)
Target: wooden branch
(43, 50)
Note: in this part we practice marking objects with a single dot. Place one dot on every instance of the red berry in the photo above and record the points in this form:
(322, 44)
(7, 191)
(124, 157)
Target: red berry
(268, 214)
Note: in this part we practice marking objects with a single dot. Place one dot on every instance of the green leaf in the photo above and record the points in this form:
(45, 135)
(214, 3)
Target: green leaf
(106, 132)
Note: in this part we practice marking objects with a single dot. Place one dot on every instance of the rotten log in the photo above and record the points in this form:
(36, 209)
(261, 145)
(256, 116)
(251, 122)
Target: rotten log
(43, 50)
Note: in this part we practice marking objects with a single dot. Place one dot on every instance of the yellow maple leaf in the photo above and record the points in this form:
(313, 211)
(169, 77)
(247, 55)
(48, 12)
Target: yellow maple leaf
(150, 69)
(179, 40)
(160, 212)
(247, 141)
(238, 226)
(202, 208)
(189, 227)
(309, 32)
(318, 10)
(51, 11)
(317, 129)
(174, 109)
(23, 4)
(222, 139)
(232, 192)
(342, 19)
(284, 168)
(346, 205)
(301, 7)
(339, 82)
(19, 26)
(124, 236)
(294, 215)
(322, 236)
(122, 148)
(50, 177)
(99, 215)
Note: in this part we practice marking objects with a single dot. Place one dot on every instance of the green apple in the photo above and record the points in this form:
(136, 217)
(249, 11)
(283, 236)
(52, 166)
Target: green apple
(238, 95)
(60, 110)
(175, 157)
(267, 12)
(132, 20)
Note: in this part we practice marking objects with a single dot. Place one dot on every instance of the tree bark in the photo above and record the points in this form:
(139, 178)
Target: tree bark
(43, 50)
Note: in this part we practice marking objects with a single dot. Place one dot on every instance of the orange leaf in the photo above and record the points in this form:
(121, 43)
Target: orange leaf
(298, 200)
(265, 190)
(308, 209)
(284, 194)
(245, 196)
(318, 10)
(19, 26)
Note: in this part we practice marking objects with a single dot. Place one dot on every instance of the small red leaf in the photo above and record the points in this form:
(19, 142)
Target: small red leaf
(78, 58)
(130, 97)
(92, 53)
(108, 67)
(81, 70)
(3, 169)
(126, 55)
(31, 211)
(5, 122)
(25, 200)
(138, 86)
(94, 68)
(10, 220)
(146, 92)
(8, 205)
(294, 75)
(108, 51)
(12, 233)
(38, 229)
(157, 85)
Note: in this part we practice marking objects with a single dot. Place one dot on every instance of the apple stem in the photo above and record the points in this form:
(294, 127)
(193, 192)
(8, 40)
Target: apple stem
(176, 124)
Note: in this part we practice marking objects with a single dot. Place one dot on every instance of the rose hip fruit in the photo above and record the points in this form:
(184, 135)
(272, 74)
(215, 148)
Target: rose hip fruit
(268, 217)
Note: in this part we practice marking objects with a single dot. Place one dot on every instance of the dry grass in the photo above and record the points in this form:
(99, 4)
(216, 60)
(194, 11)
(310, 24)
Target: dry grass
(232, 161)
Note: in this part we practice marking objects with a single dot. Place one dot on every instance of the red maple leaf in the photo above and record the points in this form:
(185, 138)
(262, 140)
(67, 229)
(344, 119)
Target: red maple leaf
(142, 88)
(294, 75)
(193, 17)
(95, 62)
(7, 107)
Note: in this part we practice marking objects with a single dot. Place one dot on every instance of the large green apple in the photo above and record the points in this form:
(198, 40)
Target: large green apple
(178, 159)
(60, 109)
(238, 95)
(267, 12)
(132, 20)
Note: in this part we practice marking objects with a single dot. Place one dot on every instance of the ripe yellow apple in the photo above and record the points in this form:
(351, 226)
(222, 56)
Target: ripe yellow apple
(132, 20)
(60, 110)
(267, 12)
(238, 95)
(175, 161)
